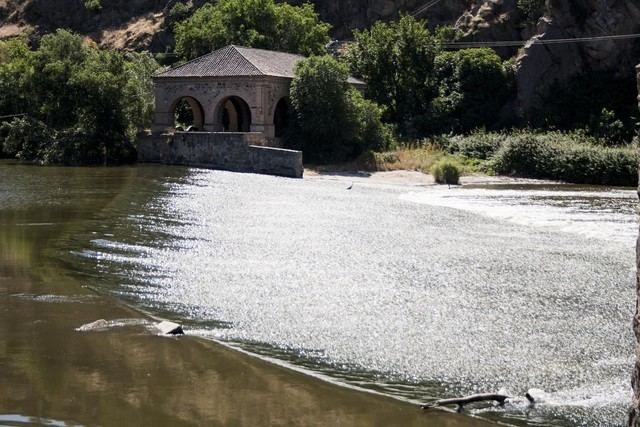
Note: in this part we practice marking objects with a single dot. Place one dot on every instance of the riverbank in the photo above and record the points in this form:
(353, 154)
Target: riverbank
(125, 374)
(411, 178)
(571, 157)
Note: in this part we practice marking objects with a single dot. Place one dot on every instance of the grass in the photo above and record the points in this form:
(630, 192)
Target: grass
(571, 157)
(421, 157)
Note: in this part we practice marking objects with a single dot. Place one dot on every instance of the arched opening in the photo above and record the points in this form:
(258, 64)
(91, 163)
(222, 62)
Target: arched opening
(188, 115)
(234, 115)
(281, 117)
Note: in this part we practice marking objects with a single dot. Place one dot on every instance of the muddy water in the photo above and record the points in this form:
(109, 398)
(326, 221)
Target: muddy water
(52, 374)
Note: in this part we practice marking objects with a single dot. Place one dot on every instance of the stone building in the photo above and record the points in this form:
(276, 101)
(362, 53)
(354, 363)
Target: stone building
(237, 102)
(234, 89)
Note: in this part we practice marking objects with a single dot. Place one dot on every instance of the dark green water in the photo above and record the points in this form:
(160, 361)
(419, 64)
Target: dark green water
(125, 375)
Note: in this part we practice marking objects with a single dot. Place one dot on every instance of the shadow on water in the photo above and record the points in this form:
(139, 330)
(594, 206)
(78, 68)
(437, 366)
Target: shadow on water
(55, 375)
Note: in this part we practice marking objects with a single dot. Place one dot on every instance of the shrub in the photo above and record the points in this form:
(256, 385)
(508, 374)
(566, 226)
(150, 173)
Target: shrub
(25, 139)
(532, 9)
(566, 157)
(446, 171)
(478, 145)
(93, 5)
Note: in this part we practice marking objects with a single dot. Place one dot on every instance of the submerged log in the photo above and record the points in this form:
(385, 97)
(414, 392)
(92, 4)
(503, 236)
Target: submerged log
(461, 401)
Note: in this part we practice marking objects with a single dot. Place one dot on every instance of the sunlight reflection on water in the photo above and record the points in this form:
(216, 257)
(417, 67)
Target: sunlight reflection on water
(418, 294)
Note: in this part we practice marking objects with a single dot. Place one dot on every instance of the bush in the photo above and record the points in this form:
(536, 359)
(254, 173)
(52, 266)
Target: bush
(478, 145)
(446, 171)
(532, 9)
(25, 139)
(93, 5)
(565, 157)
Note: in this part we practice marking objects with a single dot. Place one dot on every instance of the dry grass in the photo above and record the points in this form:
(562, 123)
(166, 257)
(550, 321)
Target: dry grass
(138, 32)
(419, 159)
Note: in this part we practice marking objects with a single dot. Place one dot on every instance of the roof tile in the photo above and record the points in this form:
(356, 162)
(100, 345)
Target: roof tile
(235, 61)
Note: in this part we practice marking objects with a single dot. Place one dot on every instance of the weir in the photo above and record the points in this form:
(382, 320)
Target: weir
(231, 151)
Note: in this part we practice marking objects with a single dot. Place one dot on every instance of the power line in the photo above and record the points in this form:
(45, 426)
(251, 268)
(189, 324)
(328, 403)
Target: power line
(520, 43)
(425, 7)
(13, 115)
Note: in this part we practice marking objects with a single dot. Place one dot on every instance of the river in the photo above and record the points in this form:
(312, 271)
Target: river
(411, 292)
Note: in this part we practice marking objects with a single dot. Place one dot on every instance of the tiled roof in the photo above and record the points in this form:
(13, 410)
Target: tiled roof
(235, 61)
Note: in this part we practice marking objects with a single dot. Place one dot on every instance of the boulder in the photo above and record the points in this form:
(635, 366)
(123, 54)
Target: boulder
(169, 328)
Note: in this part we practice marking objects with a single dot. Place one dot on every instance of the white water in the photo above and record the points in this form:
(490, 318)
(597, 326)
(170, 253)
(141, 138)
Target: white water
(416, 294)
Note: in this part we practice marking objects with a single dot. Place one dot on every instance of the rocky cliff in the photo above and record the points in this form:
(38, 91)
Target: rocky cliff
(146, 24)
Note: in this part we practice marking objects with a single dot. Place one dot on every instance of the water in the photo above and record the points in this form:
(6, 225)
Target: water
(60, 365)
(417, 294)
(414, 292)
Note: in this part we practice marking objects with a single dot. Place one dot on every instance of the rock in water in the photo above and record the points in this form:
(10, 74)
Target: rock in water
(170, 328)
(98, 324)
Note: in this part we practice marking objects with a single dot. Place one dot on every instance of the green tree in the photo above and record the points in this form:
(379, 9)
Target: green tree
(396, 60)
(473, 87)
(252, 23)
(16, 73)
(87, 104)
(332, 120)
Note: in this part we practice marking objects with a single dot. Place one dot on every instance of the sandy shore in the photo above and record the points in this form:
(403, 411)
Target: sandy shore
(407, 178)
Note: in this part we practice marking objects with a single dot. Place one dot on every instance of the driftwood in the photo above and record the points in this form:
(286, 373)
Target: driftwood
(487, 397)
(461, 401)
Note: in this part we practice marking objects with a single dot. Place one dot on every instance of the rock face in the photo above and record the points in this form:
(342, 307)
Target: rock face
(634, 413)
(347, 15)
(539, 67)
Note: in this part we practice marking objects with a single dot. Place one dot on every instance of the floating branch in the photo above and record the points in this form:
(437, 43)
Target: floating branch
(461, 401)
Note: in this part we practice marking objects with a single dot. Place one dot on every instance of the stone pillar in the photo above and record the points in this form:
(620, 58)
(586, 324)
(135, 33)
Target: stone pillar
(163, 119)
(634, 413)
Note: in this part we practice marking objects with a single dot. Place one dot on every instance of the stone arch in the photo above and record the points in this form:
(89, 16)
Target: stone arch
(281, 116)
(233, 114)
(183, 103)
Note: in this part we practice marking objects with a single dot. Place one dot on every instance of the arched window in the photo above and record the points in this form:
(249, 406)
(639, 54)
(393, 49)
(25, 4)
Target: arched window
(281, 117)
(188, 115)
(234, 115)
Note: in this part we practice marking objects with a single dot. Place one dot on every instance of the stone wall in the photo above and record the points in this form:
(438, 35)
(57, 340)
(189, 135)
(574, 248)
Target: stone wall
(634, 414)
(234, 152)
(260, 93)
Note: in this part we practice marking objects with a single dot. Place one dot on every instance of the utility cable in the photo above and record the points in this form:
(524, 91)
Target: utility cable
(425, 7)
(520, 43)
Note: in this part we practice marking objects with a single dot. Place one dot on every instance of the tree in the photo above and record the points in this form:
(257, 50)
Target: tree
(473, 87)
(396, 60)
(332, 120)
(86, 104)
(252, 23)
